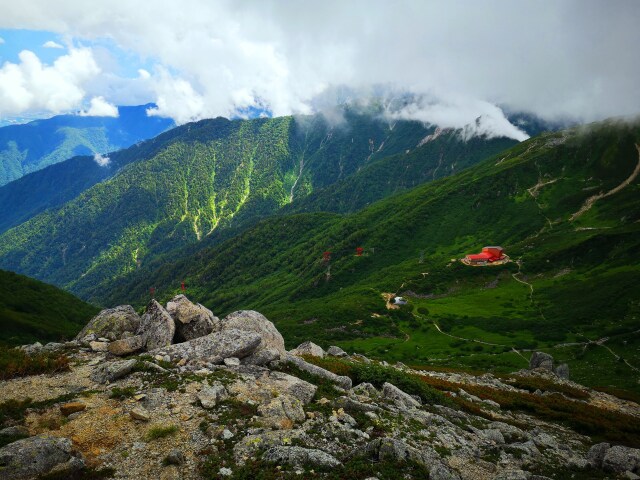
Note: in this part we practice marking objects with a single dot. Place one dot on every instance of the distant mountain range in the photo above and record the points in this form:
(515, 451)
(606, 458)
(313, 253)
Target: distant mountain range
(32, 146)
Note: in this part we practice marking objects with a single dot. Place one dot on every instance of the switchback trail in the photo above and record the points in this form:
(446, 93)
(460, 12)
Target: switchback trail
(591, 200)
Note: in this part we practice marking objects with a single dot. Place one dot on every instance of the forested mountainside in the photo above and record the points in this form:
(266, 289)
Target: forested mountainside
(565, 206)
(32, 146)
(208, 177)
(34, 311)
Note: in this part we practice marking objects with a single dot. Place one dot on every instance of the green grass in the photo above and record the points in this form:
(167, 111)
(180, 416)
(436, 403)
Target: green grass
(161, 431)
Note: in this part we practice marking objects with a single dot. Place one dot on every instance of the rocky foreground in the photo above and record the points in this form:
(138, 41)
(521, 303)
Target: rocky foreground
(181, 394)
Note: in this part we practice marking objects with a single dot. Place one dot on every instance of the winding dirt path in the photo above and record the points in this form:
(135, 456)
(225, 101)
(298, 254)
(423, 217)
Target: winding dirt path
(591, 200)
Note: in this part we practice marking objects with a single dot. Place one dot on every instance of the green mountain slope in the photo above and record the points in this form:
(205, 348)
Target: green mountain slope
(215, 175)
(34, 311)
(32, 146)
(571, 289)
(57, 184)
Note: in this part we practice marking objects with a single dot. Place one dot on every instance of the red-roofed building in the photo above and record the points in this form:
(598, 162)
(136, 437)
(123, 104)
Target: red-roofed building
(488, 255)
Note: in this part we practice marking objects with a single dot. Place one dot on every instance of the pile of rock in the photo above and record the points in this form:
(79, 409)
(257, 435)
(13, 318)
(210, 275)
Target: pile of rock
(184, 330)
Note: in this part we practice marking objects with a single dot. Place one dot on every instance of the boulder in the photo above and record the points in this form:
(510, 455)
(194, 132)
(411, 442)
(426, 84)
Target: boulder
(232, 362)
(156, 327)
(308, 348)
(112, 323)
(562, 371)
(397, 396)
(252, 321)
(192, 319)
(37, 456)
(209, 397)
(299, 456)
(596, 453)
(398, 451)
(341, 381)
(175, 457)
(216, 346)
(110, 371)
(541, 360)
(336, 352)
(99, 346)
(126, 346)
(293, 386)
(32, 349)
(263, 357)
(282, 412)
(619, 459)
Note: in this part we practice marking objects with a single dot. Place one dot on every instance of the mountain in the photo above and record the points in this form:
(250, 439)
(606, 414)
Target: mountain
(211, 177)
(31, 310)
(32, 146)
(565, 206)
(59, 183)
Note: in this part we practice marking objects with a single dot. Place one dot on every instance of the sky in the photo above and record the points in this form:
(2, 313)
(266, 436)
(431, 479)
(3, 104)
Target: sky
(460, 60)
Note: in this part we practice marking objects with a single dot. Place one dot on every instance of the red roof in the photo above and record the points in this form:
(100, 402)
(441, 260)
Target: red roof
(480, 256)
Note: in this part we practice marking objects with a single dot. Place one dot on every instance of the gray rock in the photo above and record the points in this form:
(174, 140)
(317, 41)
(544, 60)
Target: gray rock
(441, 472)
(97, 346)
(53, 347)
(255, 322)
(232, 362)
(596, 453)
(308, 348)
(263, 357)
(36, 456)
(112, 323)
(562, 371)
(293, 386)
(493, 435)
(32, 349)
(14, 431)
(541, 360)
(363, 359)
(512, 475)
(336, 352)
(282, 412)
(398, 451)
(156, 327)
(299, 456)
(192, 320)
(397, 396)
(510, 433)
(209, 397)
(175, 457)
(619, 459)
(110, 371)
(127, 345)
(351, 405)
(365, 389)
(216, 346)
(140, 414)
(341, 381)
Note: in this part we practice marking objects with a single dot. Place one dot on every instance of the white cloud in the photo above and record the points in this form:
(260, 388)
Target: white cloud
(1, 40)
(31, 85)
(100, 108)
(100, 160)
(566, 58)
(475, 117)
(51, 44)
